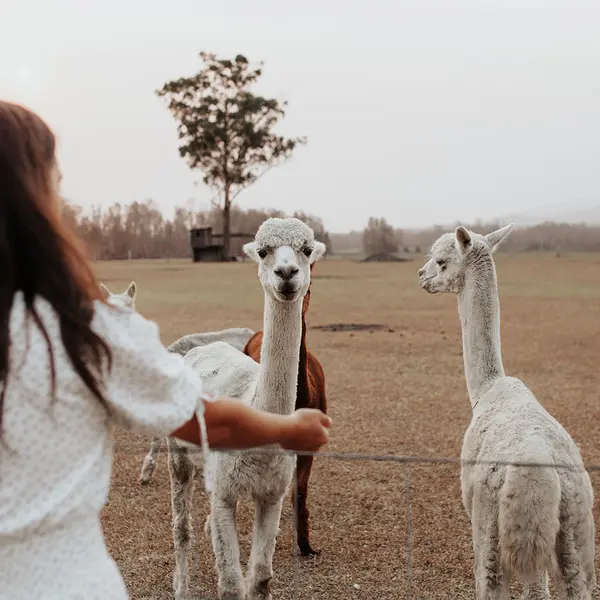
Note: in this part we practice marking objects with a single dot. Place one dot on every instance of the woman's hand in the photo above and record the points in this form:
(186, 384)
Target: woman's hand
(306, 429)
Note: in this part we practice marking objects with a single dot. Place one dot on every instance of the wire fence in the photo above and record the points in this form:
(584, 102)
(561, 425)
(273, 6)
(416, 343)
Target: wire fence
(407, 461)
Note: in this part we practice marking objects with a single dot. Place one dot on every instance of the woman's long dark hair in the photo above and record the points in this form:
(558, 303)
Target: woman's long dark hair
(39, 255)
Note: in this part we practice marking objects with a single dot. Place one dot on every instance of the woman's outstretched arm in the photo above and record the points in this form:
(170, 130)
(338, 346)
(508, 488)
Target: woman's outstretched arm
(235, 426)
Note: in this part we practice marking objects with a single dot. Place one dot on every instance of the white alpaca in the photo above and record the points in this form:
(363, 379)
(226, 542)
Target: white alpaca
(526, 521)
(236, 337)
(284, 250)
(124, 300)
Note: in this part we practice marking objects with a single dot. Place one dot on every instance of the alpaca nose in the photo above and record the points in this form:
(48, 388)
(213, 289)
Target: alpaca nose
(286, 272)
(421, 272)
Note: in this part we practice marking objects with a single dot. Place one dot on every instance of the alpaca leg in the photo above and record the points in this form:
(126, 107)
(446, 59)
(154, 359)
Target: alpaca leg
(537, 590)
(303, 469)
(149, 463)
(181, 471)
(223, 532)
(576, 571)
(264, 537)
(489, 581)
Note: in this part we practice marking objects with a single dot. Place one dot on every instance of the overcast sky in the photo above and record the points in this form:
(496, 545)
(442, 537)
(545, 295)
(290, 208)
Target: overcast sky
(423, 112)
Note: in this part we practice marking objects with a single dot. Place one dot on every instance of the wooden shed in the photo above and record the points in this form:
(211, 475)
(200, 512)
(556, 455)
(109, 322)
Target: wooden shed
(208, 246)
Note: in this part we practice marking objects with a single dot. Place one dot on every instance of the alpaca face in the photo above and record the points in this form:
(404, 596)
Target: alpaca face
(452, 254)
(124, 300)
(285, 249)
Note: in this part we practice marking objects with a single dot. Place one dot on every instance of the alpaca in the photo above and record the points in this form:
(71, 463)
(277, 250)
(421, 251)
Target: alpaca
(236, 337)
(124, 300)
(310, 394)
(527, 521)
(284, 250)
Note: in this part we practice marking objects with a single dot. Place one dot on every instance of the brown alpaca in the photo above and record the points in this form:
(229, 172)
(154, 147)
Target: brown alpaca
(310, 394)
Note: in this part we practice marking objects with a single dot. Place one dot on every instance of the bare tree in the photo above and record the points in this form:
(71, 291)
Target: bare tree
(379, 237)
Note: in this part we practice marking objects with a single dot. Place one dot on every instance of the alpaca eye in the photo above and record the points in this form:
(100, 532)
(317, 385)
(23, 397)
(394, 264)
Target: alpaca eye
(440, 262)
(262, 253)
(307, 252)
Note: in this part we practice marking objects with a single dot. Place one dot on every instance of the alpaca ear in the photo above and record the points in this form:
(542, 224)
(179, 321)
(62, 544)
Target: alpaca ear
(131, 290)
(318, 252)
(493, 239)
(105, 290)
(250, 250)
(463, 239)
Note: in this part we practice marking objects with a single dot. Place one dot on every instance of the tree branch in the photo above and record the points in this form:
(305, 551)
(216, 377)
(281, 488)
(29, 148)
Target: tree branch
(245, 185)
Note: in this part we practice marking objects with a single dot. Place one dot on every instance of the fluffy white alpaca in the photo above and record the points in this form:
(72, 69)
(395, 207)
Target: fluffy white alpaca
(124, 300)
(526, 521)
(236, 337)
(284, 250)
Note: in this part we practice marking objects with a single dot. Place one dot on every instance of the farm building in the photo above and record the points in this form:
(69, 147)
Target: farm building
(208, 246)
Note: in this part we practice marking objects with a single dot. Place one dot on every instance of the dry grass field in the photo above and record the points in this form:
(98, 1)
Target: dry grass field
(396, 390)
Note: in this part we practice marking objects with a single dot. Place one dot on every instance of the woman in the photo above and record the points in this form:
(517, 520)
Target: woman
(71, 366)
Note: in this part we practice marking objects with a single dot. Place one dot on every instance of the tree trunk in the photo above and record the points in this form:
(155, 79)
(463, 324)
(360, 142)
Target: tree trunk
(226, 225)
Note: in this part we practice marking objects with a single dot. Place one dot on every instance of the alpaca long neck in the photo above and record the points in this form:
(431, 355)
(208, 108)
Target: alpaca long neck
(278, 378)
(479, 311)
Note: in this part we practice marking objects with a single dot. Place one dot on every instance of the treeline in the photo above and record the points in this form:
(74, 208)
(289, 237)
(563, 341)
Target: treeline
(545, 237)
(140, 230)
(378, 236)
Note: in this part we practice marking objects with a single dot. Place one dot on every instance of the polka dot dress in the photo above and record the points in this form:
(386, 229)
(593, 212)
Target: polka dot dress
(56, 456)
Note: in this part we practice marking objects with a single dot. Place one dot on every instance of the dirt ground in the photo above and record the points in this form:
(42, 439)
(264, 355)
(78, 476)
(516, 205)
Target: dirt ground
(394, 389)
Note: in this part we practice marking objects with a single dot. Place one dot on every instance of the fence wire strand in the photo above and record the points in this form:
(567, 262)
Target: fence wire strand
(364, 456)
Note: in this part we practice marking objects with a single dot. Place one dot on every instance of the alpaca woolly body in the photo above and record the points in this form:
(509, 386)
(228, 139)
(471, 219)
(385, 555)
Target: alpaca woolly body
(236, 337)
(533, 511)
(239, 474)
(284, 250)
(526, 521)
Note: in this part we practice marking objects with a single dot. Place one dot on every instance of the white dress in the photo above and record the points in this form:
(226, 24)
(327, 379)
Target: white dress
(56, 457)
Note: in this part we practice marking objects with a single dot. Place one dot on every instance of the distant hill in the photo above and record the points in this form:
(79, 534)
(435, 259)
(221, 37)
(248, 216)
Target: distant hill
(573, 213)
